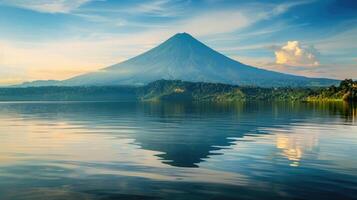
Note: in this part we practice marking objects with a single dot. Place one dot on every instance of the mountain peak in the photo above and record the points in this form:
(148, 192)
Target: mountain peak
(182, 57)
(183, 37)
(182, 43)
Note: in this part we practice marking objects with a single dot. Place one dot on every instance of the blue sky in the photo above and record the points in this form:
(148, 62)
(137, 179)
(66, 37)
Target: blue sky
(58, 39)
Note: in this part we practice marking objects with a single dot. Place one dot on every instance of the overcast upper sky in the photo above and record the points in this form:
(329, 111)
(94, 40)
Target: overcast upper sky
(58, 39)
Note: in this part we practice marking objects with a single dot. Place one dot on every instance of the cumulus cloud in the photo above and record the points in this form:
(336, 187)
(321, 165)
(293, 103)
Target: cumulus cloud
(294, 54)
(46, 6)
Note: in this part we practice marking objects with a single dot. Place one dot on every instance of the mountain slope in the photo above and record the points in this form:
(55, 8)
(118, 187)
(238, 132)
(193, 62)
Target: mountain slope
(182, 57)
(39, 83)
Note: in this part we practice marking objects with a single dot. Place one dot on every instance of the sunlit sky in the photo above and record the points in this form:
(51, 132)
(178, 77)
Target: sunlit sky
(58, 39)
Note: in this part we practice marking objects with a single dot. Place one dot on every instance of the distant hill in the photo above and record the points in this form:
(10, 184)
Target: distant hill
(161, 90)
(39, 83)
(182, 57)
(75, 93)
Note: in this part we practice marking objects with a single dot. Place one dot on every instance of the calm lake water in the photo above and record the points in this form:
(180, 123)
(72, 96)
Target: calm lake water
(108, 150)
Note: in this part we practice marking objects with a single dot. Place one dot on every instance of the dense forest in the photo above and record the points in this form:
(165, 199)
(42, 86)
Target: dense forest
(199, 91)
(177, 90)
(347, 91)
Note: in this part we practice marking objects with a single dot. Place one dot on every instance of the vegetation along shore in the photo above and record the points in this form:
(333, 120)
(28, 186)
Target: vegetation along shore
(176, 90)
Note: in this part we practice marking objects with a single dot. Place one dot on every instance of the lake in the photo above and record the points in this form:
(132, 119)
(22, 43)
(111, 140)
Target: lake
(128, 150)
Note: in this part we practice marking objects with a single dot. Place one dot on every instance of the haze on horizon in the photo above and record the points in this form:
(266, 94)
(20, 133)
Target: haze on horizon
(59, 39)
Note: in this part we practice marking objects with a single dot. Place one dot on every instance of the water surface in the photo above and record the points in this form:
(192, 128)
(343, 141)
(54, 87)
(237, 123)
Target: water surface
(117, 150)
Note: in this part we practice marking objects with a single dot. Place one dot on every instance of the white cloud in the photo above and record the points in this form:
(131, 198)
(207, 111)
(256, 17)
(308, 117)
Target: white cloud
(46, 6)
(282, 8)
(157, 8)
(293, 54)
(338, 42)
(228, 20)
(205, 22)
(68, 57)
(216, 22)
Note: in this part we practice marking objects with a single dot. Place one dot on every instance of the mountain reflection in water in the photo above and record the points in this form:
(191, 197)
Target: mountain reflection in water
(111, 150)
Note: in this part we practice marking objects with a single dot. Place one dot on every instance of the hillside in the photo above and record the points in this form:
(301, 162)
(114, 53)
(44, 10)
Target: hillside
(183, 57)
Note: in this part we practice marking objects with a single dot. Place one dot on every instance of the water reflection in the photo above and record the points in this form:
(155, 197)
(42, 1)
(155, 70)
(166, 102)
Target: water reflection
(347, 111)
(115, 150)
(293, 147)
(290, 150)
(175, 131)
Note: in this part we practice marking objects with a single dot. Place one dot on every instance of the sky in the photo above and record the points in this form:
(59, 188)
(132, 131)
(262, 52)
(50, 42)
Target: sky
(59, 39)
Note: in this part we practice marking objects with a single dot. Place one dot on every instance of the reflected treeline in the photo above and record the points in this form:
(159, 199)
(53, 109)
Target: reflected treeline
(185, 133)
(345, 110)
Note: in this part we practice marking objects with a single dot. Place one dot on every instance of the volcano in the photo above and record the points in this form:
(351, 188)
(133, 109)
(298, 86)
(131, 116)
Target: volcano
(182, 57)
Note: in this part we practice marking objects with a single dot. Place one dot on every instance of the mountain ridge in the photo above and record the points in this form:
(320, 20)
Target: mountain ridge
(182, 57)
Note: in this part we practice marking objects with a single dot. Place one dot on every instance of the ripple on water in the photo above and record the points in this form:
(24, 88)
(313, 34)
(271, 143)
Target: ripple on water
(149, 151)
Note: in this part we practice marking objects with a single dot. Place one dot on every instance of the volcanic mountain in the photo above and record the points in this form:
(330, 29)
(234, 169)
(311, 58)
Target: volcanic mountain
(183, 57)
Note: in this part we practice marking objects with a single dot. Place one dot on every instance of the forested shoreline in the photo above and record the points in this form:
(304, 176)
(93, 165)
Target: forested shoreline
(176, 90)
